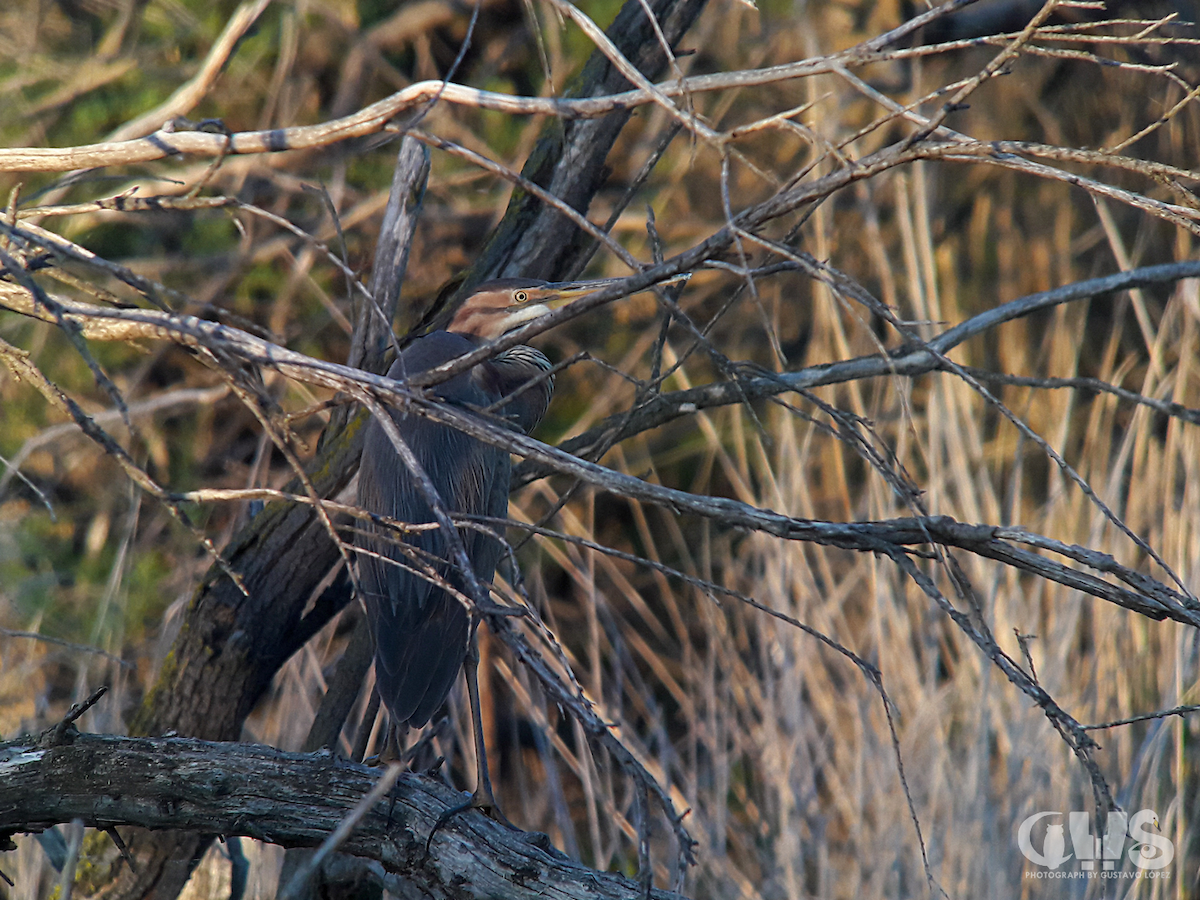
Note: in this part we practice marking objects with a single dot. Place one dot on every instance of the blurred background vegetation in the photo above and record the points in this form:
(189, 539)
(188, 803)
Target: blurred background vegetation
(778, 746)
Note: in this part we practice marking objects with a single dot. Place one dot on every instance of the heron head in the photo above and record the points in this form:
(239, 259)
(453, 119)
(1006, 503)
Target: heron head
(499, 306)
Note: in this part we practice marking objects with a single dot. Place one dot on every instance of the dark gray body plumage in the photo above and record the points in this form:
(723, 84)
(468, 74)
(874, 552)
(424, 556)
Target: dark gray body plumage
(421, 630)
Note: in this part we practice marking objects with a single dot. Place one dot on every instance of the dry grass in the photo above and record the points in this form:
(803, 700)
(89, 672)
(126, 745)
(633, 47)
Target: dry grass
(779, 746)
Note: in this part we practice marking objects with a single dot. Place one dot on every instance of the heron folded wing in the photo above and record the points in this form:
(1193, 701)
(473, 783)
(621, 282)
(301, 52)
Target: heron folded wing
(415, 668)
(420, 628)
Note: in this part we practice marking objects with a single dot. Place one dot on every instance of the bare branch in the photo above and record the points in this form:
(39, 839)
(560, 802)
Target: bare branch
(225, 340)
(372, 119)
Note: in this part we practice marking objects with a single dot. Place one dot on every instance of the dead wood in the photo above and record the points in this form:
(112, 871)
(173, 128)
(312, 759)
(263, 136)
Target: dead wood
(190, 786)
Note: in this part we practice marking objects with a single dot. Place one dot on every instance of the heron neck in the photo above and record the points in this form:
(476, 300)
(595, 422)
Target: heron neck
(521, 372)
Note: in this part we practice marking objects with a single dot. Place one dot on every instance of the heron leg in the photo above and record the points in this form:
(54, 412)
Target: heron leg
(482, 798)
(393, 742)
(363, 736)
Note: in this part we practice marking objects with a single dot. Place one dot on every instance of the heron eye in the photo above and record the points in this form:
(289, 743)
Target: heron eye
(520, 296)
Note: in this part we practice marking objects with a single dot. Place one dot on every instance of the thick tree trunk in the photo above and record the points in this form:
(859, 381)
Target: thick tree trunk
(533, 241)
(293, 799)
